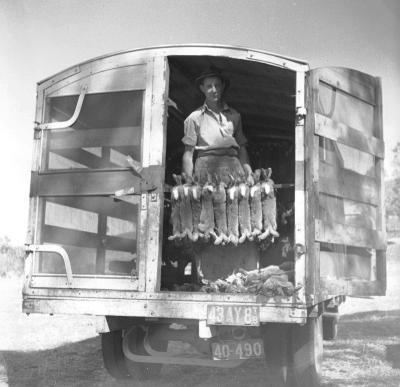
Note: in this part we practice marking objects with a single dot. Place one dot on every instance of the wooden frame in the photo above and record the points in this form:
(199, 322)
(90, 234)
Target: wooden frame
(333, 180)
(54, 183)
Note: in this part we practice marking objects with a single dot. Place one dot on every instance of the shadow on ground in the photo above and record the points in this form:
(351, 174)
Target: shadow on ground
(366, 353)
(393, 355)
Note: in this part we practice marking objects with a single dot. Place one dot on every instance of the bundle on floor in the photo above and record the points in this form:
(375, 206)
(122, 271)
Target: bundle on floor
(269, 281)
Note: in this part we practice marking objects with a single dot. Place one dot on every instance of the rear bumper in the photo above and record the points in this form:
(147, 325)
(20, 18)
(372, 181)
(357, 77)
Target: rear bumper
(163, 305)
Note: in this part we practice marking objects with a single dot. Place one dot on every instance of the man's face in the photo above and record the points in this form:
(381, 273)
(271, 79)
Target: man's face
(212, 88)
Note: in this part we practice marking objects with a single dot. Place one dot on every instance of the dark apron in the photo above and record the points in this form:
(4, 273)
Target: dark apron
(220, 261)
(222, 164)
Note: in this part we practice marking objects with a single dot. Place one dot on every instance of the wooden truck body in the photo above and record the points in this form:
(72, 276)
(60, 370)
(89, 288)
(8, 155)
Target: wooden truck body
(96, 226)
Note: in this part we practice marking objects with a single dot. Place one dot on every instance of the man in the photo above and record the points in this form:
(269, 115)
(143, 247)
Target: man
(215, 131)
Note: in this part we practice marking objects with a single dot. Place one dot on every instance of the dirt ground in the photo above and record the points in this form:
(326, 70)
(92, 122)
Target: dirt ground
(40, 350)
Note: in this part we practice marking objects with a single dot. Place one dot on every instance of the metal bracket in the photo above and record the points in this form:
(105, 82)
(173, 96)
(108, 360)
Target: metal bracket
(54, 249)
(150, 178)
(301, 112)
(70, 121)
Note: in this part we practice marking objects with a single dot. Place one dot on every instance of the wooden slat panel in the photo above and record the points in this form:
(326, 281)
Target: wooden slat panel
(110, 80)
(351, 287)
(344, 134)
(82, 183)
(332, 264)
(84, 282)
(66, 236)
(341, 265)
(347, 184)
(381, 274)
(99, 205)
(86, 138)
(351, 236)
(347, 212)
(352, 82)
(82, 157)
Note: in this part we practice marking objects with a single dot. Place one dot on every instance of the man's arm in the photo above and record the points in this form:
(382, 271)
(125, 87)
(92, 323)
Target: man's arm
(187, 160)
(244, 159)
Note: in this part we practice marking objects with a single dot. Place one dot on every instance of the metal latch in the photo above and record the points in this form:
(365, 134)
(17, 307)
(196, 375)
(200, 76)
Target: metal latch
(301, 112)
(150, 178)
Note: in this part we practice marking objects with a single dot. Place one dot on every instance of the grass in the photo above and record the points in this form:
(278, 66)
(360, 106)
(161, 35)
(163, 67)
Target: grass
(41, 350)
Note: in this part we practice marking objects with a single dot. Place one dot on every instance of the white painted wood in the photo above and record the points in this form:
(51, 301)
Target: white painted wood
(110, 80)
(57, 281)
(300, 194)
(150, 308)
(156, 148)
(142, 55)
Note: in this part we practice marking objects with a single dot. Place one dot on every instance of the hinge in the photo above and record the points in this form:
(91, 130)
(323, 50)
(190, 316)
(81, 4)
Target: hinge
(301, 112)
(37, 133)
(143, 202)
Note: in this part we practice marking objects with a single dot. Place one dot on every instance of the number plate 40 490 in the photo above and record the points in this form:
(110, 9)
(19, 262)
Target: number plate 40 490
(242, 349)
(233, 315)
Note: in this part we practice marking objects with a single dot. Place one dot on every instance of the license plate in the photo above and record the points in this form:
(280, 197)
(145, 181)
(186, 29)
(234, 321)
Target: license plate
(233, 315)
(237, 349)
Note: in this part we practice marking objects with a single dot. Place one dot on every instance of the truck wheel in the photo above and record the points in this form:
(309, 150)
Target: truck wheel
(330, 326)
(306, 348)
(140, 371)
(113, 357)
(275, 338)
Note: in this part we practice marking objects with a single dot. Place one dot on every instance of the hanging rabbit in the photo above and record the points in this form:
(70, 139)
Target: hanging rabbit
(176, 208)
(185, 208)
(244, 211)
(219, 204)
(195, 201)
(207, 221)
(232, 211)
(268, 202)
(255, 204)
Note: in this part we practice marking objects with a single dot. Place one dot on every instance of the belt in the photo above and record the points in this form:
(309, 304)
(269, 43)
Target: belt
(217, 152)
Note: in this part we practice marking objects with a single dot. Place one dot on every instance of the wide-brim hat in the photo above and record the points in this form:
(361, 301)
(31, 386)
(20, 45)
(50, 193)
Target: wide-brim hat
(211, 71)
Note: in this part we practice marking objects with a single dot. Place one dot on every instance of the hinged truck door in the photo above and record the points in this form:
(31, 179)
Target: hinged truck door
(344, 178)
(97, 176)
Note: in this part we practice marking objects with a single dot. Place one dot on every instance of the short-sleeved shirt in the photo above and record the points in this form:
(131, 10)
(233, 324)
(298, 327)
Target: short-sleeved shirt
(207, 130)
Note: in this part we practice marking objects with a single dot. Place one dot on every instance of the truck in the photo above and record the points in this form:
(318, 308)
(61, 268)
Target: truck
(107, 139)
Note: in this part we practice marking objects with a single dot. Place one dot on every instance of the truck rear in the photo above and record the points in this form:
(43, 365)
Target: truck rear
(107, 141)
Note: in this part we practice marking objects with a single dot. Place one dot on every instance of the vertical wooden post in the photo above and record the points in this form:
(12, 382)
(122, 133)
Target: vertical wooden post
(154, 151)
(311, 189)
(379, 174)
(300, 194)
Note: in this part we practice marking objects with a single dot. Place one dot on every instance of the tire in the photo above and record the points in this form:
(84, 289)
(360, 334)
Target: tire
(275, 338)
(305, 352)
(113, 357)
(329, 326)
(141, 371)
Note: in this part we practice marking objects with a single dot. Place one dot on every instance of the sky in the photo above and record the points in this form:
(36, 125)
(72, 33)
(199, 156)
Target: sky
(41, 37)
